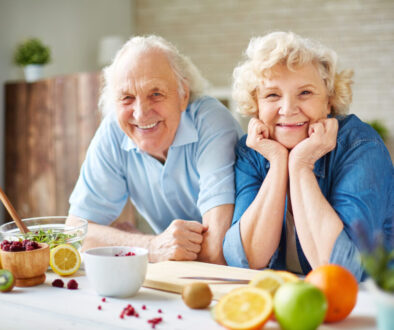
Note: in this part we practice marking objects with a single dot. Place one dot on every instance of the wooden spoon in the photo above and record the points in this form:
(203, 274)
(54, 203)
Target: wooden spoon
(22, 227)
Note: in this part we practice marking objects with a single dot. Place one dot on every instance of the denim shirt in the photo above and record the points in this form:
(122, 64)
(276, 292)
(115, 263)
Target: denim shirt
(356, 178)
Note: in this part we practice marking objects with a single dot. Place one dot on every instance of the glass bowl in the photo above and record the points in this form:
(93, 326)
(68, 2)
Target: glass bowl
(52, 230)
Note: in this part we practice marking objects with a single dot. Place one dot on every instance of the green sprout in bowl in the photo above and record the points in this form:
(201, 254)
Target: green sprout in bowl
(54, 238)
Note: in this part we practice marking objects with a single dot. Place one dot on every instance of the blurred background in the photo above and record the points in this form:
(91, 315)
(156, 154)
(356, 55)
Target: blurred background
(84, 34)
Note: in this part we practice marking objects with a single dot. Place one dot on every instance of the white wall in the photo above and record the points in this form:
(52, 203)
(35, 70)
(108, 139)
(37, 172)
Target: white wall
(72, 29)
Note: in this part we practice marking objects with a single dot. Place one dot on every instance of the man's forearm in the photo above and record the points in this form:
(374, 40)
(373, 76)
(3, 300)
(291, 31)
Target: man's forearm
(99, 235)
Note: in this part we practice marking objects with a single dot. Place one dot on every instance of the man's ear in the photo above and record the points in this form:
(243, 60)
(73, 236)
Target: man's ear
(185, 97)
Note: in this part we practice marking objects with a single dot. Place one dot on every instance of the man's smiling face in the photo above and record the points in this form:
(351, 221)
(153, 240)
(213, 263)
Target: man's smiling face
(148, 102)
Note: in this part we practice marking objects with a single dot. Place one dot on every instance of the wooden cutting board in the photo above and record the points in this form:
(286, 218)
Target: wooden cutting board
(166, 276)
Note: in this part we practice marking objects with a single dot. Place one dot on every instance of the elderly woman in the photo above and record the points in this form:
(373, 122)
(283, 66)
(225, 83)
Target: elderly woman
(305, 173)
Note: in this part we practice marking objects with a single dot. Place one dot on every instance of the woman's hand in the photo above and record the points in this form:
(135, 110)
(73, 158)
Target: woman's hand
(322, 139)
(258, 139)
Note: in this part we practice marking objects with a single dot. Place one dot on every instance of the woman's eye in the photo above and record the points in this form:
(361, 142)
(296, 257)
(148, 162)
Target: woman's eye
(156, 94)
(272, 95)
(306, 93)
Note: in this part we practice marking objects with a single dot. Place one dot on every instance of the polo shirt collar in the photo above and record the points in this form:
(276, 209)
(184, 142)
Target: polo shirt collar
(186, 133)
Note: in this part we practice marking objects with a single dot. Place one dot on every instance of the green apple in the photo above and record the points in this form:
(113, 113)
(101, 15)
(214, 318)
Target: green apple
(300, 306)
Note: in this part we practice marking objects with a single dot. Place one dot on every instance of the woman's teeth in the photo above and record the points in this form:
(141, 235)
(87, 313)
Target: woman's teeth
(289, 125)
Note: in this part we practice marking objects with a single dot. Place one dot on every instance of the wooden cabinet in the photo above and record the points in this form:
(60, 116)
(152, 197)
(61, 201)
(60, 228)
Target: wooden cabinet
(48, 127)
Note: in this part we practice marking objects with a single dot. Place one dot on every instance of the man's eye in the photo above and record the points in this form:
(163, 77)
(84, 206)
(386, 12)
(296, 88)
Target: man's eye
(126, 99)
(156, 94)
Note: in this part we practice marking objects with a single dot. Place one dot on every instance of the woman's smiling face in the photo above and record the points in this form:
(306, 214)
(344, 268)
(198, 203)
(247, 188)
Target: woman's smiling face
(289, 101)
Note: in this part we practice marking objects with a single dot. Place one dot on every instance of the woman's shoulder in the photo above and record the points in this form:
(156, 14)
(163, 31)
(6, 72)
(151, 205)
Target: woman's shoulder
(352, 131)
(360, 139)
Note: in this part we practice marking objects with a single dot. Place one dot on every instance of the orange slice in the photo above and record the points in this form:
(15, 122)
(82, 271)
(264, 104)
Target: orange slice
(65, 259)
(244, 308)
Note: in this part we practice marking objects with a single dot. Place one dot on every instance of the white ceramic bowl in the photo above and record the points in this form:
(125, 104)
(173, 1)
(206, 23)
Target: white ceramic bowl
(116, 276)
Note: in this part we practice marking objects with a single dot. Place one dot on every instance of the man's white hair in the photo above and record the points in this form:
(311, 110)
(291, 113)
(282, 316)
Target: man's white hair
(185, 71)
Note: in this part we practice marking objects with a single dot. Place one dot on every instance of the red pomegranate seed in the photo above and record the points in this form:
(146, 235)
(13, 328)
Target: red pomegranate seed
(143, 307)
(99, 307)
(103, 300)
(180, 317)
(155, 321)
(159, 311)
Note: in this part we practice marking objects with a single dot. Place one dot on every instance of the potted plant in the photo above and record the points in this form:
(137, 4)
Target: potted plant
(377, 259)
(32, 54)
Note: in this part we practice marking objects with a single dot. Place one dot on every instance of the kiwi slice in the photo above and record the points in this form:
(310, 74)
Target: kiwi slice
(7, 280)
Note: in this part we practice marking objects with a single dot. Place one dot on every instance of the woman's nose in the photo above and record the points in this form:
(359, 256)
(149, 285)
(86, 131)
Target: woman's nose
(289, 106)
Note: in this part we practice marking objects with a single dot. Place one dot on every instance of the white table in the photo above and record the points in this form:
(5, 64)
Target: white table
(46, 307)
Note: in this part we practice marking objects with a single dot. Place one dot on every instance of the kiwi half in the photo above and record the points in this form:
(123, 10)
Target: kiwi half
(7, 280)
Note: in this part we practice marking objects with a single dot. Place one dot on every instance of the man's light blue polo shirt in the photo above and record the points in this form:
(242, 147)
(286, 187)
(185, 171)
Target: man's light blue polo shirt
(197, 175)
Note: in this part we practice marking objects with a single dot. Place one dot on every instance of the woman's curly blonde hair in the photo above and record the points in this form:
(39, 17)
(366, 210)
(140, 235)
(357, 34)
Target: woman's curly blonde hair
(288, 48)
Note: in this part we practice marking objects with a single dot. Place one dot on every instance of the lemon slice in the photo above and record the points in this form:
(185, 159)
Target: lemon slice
(267, 280)
(287, 276)
(244, 308)
(65, 259)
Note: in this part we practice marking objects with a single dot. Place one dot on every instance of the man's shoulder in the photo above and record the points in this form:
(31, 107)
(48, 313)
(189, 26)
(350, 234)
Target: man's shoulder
(209, 111)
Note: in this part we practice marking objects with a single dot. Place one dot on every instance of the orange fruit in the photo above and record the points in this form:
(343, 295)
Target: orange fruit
(340, 288)
(244, 308)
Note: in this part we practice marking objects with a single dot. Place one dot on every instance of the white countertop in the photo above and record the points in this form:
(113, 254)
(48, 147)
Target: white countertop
(46, 307)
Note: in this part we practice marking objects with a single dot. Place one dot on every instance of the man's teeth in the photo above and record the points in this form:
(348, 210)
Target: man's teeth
(147, 126)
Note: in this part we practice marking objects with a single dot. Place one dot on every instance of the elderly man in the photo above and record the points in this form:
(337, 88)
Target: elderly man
(166, 148)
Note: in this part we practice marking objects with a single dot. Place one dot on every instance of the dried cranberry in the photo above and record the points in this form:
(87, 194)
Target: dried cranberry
(31, 246)
(58, 283)
(72, 285)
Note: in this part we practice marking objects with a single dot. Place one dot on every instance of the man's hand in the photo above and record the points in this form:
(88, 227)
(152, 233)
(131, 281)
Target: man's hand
(258, 139)
(322, 139)
(180, 241)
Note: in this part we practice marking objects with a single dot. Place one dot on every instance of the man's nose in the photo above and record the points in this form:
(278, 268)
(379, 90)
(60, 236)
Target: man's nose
(289, 106)
(140, 109)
